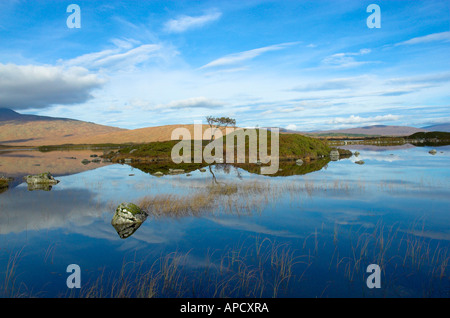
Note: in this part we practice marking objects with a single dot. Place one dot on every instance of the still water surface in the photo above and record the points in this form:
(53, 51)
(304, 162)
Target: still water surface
(310, 235)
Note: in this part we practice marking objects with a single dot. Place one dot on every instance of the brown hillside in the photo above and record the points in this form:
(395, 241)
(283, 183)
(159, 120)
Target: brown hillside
(77, 132)
(141, 135)
(37, 133)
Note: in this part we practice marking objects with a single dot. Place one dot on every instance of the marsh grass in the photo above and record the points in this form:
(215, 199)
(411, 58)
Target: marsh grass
(404, 256)
(262, 267)
(237, 198)
(11, 287)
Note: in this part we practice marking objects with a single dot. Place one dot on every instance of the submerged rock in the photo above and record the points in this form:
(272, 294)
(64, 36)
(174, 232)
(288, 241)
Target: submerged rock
(356, 153)
(44, 178)
(158, 174)
(334, 155)
(39, 187)
(176, 171)
(126, 230)
(360, 162)
(433, 151)
(299, 162)
(4, 182)
(128, 213)
(85, 161)
(202, 170)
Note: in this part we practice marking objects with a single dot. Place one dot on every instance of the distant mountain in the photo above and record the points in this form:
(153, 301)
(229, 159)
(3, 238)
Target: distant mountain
(375, 130)
(10, 115)
(440, 127)
(32, 130)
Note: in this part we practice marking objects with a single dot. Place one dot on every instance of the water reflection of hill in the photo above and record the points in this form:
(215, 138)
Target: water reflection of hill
(164, 167)
(17, 164)
(286, 168)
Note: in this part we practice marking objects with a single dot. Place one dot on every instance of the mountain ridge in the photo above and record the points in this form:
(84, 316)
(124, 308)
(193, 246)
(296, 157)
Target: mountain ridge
(32, 130)
(7, 114)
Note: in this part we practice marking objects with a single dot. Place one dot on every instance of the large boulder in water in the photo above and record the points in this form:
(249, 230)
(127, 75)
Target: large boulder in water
(4, 183)
(334, 155)
(128, 213)
(43, 178)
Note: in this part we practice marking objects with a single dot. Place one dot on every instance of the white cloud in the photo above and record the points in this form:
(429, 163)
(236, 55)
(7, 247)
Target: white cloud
(363, 120)
(443, 36)
(184, 23)
(118, 57)
(32, 86)
(235, 58)
(291, 127)
(291, 109)
(195, 102)
(345, 59)
(334, 84)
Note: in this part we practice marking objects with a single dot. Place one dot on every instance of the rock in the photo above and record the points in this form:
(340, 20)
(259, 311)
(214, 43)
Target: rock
(158, 174)
(85, 161)
(176, 171)
(96, 160)
(106, 160)
(39, 187)
(188, 175)
(126, 230)
(360, 162)
(299, 162)
(433, 151)
(356, 153)
(128, 213)
(93, 156)
(334, 155)
(202, 170)
(128, 160)
(43, 178)
(4, 181)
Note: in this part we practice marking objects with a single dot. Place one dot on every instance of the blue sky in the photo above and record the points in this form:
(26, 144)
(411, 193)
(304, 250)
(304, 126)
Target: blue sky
(302, 65)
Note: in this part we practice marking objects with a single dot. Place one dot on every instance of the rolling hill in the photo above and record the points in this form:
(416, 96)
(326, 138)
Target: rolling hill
(376, 130)
(439, 127)
(31, 130)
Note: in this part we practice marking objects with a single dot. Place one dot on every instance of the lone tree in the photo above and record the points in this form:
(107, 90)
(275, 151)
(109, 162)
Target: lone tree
(219, 122)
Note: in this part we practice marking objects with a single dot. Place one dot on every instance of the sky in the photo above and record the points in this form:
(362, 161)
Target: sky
(304, 65)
